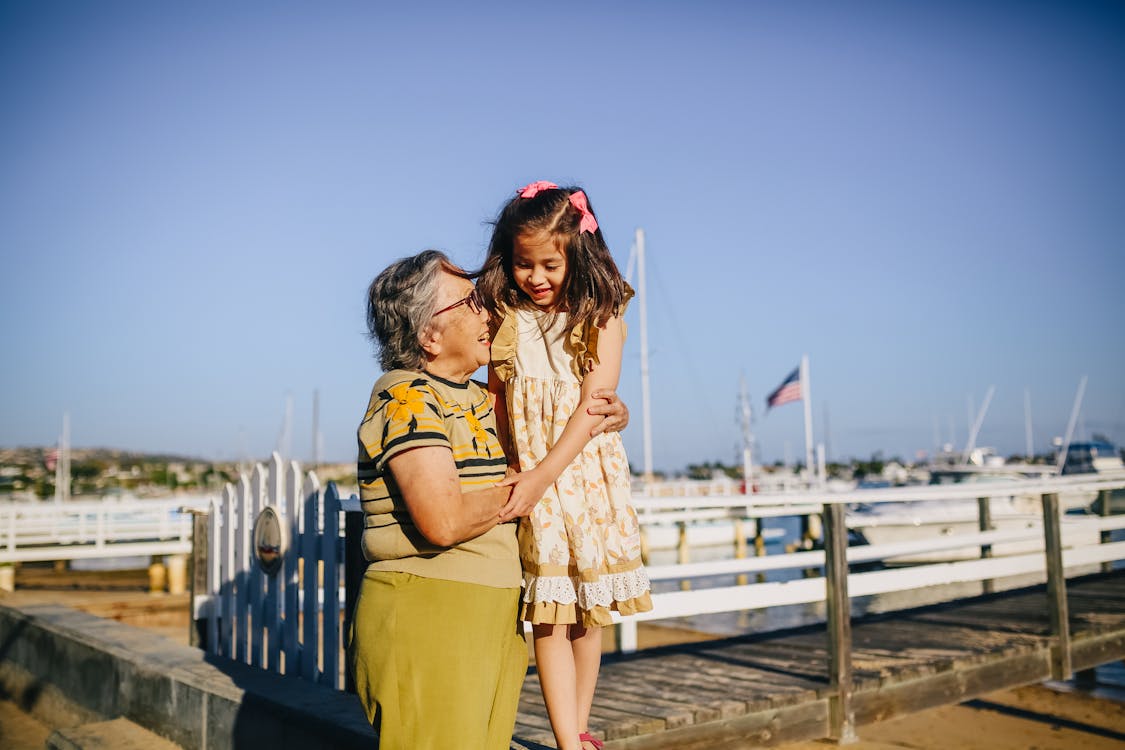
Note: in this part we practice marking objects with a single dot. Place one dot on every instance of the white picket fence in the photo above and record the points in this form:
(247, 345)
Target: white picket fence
(289, 622)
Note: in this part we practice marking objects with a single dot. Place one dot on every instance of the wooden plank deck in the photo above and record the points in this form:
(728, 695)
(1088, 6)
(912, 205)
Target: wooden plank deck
(758, 691)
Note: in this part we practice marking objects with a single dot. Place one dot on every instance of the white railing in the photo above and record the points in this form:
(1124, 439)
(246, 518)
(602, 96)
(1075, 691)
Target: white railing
(32, 532)
(791, 503)
(1066, 545)
(1077, 530)
(1076, 552)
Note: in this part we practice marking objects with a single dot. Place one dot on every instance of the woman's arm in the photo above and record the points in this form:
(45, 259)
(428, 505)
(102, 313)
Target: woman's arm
(431, 489)
(614, 413)
(498, 395)
(530, 486)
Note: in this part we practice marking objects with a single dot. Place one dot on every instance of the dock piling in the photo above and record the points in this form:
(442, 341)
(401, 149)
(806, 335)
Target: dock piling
(740, 549)
(841, 683)
(1061, 668)
(157, 575)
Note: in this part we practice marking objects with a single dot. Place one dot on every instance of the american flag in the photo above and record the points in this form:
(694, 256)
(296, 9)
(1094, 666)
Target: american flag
(789, 390)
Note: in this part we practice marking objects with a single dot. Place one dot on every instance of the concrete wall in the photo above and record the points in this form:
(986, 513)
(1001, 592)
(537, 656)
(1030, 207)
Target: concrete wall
(68, 666)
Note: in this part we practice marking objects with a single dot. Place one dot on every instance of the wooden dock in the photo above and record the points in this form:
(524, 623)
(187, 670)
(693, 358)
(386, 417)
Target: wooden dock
(758, 691)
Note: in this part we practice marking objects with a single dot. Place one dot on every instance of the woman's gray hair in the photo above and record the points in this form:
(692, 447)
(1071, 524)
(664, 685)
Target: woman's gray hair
(400, 305)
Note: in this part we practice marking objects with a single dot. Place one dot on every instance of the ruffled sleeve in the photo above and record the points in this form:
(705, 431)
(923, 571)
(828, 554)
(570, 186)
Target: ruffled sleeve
(583, 340)
(503, 332)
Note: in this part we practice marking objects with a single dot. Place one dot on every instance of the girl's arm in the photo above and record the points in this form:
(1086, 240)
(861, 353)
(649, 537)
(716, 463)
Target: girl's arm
(530, 486)
(497, 393)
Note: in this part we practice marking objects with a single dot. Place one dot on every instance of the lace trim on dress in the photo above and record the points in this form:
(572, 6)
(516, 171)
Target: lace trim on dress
(610, 588)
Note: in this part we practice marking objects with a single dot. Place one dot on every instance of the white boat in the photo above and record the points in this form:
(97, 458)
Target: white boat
(910, 521)
(702, 513)
(1097, 457)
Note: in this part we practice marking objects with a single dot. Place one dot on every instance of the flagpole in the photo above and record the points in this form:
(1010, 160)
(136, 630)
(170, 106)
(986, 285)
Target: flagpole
(806, 395)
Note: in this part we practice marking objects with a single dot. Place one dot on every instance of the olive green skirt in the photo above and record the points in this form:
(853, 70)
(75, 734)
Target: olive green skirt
(437, 664)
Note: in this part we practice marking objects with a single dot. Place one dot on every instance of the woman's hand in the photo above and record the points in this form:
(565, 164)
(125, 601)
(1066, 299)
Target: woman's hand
(528, 489)
(615, 412)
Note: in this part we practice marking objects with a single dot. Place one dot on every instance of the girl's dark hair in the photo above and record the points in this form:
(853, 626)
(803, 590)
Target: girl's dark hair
(593, 290)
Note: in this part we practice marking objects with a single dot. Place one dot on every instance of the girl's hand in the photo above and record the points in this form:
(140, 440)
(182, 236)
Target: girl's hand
(528, 489)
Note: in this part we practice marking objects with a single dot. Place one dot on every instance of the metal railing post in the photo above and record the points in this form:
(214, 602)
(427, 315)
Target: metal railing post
(984, 509)
(841, 683)
(1056, 589)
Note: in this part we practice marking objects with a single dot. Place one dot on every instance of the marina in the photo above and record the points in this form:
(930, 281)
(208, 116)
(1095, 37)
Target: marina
(844, 266)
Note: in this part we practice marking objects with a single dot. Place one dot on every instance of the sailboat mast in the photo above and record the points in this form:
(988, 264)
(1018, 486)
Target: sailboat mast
(1070, 425)
(642, 302)
(285, 437)
(316, 429)
(747, 438)
(971, 443)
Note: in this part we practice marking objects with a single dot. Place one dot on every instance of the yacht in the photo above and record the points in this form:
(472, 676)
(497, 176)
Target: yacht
(1097, 457)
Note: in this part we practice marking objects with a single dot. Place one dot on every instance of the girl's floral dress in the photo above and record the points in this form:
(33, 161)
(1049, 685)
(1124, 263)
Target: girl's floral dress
(580, 547)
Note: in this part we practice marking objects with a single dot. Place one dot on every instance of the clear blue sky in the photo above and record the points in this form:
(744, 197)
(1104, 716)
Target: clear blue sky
(928, 199)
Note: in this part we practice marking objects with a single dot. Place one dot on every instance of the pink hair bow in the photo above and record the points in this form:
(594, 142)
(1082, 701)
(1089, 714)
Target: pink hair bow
(588, 222)
(533, 189)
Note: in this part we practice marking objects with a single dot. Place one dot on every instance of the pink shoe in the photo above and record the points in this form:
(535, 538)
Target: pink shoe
(587, 737)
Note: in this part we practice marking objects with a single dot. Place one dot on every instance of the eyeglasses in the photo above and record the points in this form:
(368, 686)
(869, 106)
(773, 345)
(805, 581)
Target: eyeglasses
(473, 300)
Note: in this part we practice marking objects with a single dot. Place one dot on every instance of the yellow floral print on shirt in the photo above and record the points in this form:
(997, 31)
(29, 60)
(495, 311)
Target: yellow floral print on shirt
(479, 433)
(405, 403)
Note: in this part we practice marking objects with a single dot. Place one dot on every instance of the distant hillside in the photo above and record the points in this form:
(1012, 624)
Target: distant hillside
(30, 472)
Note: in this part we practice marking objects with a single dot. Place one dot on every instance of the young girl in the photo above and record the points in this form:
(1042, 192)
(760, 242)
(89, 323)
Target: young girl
(556, 300)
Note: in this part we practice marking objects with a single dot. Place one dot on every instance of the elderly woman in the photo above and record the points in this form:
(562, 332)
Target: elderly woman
(435, 648)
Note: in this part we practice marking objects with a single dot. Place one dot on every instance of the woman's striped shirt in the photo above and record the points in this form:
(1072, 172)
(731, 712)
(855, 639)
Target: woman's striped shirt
(410, 409)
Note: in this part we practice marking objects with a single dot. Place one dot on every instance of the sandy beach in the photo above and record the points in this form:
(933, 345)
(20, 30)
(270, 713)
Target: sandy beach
(1043, 717)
